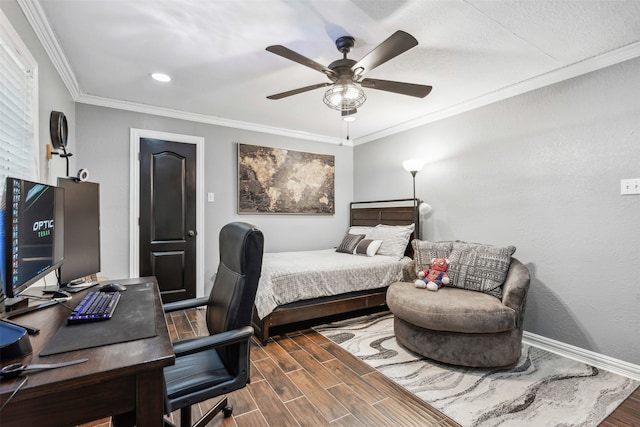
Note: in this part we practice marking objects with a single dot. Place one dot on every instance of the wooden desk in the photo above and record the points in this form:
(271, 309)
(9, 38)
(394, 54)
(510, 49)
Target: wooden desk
(117, 378)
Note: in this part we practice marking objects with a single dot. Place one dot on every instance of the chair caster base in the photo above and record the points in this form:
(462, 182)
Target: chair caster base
(227, 411)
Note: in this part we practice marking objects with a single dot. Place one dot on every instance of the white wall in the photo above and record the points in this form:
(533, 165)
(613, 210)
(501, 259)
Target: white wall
(540, 171)
(103, 149)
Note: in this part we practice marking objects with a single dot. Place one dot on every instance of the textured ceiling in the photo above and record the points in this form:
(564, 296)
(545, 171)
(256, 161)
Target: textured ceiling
(472, 52)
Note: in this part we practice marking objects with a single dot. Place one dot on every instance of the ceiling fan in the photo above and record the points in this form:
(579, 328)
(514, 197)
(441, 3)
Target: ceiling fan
(346, 94)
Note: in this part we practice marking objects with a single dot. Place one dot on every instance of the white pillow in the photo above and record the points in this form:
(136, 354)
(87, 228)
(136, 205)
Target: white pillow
(395, 238)
(358, 229)
(367, 247)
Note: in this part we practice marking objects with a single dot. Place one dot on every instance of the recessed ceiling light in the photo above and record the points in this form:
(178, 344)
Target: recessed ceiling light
(160, 77)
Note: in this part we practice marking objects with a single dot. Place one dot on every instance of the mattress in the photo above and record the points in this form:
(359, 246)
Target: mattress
(295, 276)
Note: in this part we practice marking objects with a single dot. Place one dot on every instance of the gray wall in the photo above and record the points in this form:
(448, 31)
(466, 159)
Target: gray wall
(540, 171)
(103, 149)
(52, 93)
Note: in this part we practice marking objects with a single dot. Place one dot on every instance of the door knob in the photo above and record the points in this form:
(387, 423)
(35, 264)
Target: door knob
(192, 233)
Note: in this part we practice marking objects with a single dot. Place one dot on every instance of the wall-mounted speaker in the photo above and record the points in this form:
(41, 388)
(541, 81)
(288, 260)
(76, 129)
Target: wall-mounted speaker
(58, 129)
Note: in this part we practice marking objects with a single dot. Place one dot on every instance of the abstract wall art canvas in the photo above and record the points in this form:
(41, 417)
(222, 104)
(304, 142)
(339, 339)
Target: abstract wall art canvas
(280, 181)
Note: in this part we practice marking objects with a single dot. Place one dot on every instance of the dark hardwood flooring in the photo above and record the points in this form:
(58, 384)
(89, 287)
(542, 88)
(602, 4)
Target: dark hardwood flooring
(304, 379)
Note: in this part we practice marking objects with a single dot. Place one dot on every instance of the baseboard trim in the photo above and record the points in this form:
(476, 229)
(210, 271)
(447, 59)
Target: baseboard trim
(585, 356)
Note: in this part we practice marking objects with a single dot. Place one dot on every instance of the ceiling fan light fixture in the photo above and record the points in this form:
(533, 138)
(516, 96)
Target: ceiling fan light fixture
(344, 96)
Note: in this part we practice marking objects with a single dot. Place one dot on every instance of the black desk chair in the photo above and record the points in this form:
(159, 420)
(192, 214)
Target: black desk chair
(208, 367)
(211, 366)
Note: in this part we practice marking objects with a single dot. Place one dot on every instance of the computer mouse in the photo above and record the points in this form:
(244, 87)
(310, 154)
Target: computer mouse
(113, 287)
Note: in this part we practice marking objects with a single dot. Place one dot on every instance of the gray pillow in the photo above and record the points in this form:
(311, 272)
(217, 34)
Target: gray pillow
(478, 267)
(349, 243)
(424, 251)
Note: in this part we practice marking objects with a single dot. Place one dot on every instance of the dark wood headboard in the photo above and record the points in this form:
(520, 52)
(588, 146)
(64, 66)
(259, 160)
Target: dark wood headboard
(388, 212)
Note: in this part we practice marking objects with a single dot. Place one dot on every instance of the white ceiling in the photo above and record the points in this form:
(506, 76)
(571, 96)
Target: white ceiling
(472, 52)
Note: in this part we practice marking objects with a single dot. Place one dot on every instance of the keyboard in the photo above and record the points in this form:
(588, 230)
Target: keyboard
(94, 306)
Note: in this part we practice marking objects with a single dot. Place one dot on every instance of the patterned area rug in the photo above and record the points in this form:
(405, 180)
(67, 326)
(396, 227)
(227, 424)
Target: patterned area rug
(544, 389)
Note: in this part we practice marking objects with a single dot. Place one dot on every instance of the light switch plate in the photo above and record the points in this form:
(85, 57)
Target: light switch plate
(630, 186)
(210, 197)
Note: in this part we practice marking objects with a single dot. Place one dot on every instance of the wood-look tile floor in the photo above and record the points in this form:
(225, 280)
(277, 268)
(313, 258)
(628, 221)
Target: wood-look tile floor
(304, 379)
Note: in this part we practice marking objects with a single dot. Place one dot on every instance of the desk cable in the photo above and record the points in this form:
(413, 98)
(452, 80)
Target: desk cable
(29, 309)
(23, 382)
(41, 298)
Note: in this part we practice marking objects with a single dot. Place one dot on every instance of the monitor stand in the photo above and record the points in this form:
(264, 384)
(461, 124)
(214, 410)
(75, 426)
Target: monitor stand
(79, 285)
(16, 303)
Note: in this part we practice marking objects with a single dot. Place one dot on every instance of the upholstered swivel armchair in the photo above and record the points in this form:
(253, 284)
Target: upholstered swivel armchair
(459, 326)
(211, 366)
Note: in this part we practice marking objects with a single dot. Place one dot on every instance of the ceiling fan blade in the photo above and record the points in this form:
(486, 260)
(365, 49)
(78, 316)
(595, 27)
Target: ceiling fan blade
(296, 57)
(399, 42)
(411, 89)
(297, 91)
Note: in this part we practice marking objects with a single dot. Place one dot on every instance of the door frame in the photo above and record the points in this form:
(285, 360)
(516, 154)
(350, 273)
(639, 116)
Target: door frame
(134, 198)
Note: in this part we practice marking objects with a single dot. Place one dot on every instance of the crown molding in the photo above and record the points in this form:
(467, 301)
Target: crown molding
(595, 63)
(38, 20)
(202, 118)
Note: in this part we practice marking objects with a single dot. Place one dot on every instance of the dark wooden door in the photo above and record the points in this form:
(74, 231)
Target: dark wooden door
(168, 216)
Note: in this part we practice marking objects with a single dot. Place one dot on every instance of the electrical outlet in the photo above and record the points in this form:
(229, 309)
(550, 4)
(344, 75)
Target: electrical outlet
(210, 197)
(630, 186)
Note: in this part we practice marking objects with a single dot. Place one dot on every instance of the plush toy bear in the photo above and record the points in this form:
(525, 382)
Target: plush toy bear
(434, 277)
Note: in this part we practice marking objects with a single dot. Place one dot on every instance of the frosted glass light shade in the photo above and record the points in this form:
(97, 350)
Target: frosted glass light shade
(425, 208)
(413, 165)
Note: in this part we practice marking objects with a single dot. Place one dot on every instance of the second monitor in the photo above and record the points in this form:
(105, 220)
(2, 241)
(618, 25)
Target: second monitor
(82, 230)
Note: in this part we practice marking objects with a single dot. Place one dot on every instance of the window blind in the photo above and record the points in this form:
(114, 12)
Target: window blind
(18, 107)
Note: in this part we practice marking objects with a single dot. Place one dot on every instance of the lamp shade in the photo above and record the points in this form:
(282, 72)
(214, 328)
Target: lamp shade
(413, 165)
(425, 208)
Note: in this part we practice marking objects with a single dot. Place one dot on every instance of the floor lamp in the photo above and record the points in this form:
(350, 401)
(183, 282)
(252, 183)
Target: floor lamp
(414, 166)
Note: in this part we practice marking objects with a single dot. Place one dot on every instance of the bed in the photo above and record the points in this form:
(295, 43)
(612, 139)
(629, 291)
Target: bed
(312, 286)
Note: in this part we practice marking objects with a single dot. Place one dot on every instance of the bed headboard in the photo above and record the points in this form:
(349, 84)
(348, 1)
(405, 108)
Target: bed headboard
(388, 212)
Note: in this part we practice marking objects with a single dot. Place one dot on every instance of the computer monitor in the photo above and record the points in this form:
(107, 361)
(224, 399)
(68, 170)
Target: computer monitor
(33, 224)
(81, 231)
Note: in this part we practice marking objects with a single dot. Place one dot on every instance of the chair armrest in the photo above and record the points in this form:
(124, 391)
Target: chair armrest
(516, 286)
(185, 304)
(223, 339)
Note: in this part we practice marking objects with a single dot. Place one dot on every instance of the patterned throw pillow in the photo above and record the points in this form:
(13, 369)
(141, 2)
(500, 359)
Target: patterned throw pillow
(477, 267)
(424, 251)
(368, 247)
(395, 238)
(349, 243)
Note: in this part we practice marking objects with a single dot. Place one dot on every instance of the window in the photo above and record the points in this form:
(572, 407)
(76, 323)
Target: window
(18, 107)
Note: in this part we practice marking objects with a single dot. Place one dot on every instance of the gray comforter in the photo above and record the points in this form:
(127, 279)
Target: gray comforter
(294, 276)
